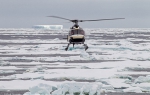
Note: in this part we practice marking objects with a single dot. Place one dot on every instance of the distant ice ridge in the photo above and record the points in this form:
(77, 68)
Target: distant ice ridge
(66, 88)
(49, 27)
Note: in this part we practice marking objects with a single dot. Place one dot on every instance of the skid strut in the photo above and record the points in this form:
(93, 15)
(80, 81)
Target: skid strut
(67, 47)
(85, 46)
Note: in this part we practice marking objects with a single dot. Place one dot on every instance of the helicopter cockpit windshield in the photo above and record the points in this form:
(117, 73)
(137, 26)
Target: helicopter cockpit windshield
(76, 32)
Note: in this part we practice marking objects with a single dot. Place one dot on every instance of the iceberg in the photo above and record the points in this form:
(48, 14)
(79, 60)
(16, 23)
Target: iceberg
(49, 27)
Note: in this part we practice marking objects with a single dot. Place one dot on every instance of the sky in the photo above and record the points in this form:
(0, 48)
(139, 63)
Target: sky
(26, 13)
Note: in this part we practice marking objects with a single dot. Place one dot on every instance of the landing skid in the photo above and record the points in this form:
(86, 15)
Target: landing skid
(85, 46)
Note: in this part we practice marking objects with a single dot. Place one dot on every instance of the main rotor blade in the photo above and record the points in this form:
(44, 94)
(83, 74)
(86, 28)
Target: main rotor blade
(59, 17)
(101, 19)
(84, 20)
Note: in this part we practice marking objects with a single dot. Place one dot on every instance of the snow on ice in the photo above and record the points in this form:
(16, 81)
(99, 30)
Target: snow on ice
(107, 76)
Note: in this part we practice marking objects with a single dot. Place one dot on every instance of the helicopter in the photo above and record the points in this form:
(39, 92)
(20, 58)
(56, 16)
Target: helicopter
(76, 34)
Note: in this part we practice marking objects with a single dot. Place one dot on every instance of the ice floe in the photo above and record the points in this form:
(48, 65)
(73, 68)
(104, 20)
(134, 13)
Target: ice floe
(141, 79)
(4, 63)
(41, 89)
(74, 88)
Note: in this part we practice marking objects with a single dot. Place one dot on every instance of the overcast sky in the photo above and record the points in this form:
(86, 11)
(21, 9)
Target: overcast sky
(26, 13)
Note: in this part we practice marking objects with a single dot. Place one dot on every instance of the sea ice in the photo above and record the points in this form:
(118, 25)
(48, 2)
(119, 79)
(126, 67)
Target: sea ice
(4, 63)
(41, 89)
(133, 89)
(7, 71)
(142, 79)
(74, 88)
(117, 83)
(145, 86)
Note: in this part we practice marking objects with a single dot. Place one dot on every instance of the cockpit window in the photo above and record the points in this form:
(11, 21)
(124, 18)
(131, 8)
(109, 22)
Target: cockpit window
(77, 31)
